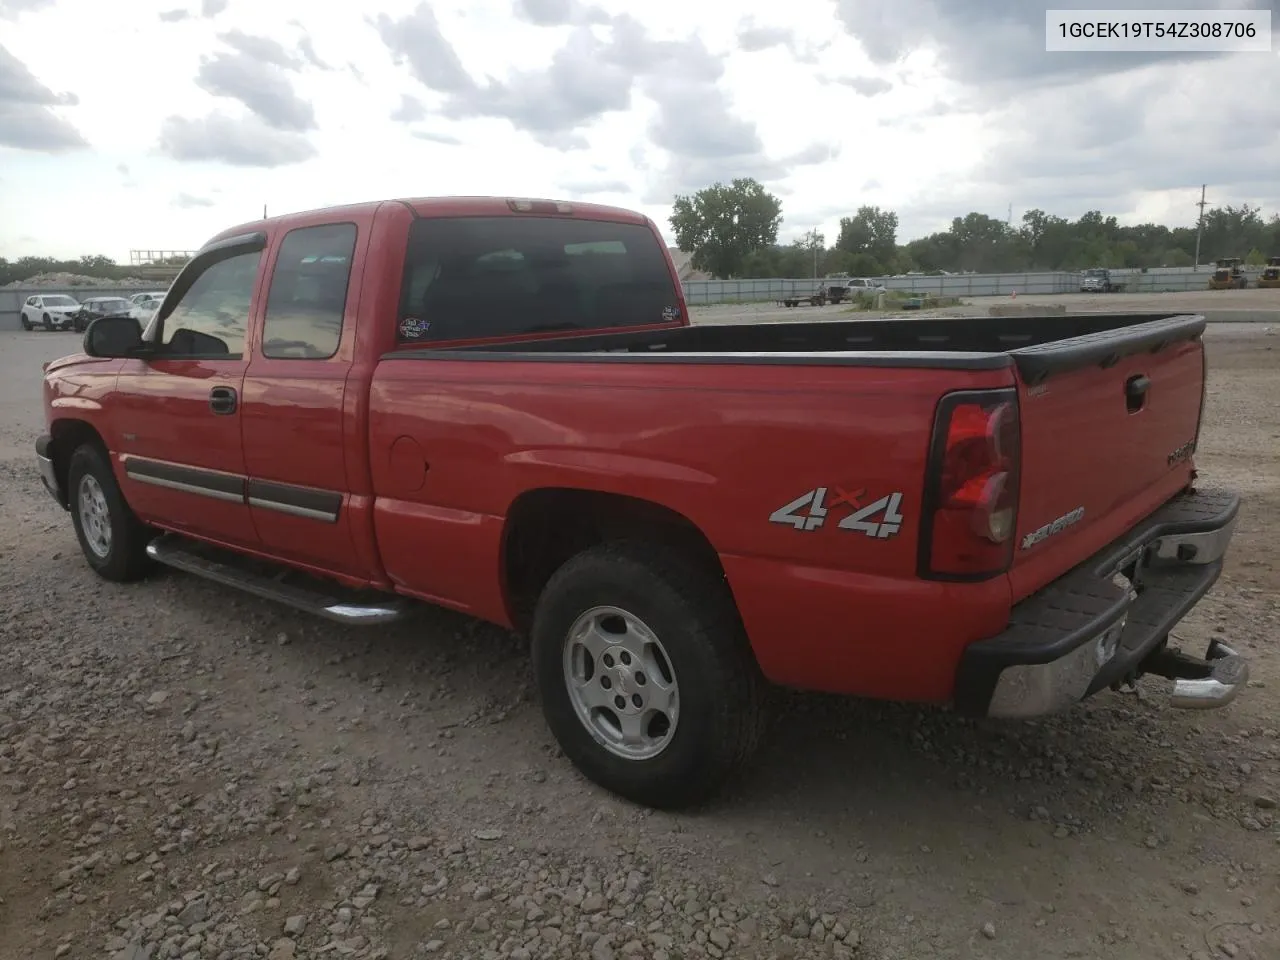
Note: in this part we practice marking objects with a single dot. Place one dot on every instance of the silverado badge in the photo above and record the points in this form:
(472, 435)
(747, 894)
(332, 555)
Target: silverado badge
(1052, 527)
(1181, 453)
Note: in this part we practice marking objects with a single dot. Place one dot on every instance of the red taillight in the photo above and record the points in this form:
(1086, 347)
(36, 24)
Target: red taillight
(971, 497)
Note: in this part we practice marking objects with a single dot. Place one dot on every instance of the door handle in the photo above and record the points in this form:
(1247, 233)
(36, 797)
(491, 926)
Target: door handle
(222, 400)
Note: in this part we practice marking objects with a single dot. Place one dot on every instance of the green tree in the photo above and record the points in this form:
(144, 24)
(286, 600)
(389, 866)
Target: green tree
(723, 225)
(984, 243)
(870, 231)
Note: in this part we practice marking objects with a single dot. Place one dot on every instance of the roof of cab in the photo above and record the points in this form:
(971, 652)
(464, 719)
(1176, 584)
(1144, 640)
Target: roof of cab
(438, 207)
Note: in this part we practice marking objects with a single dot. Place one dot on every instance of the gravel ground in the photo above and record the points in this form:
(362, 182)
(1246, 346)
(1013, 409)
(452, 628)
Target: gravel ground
(189, 773)
(1220, 304)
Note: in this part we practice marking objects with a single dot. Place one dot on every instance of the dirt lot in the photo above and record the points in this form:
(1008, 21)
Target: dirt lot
(189, 773)
(1263, 305)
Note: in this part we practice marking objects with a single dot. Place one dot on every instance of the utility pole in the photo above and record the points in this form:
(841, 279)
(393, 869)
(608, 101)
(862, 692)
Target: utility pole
(264, 211)
(817, 243)
(1200, 224)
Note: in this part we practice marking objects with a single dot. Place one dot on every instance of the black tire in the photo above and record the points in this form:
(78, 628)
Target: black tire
(691, 612)
(48, 321)
(26, 324)
(125, 557)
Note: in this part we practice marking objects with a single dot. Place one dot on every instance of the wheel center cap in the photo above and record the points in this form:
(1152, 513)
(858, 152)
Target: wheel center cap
(625, 684)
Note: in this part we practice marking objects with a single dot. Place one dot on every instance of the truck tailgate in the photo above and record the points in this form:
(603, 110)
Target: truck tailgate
(1109, 423)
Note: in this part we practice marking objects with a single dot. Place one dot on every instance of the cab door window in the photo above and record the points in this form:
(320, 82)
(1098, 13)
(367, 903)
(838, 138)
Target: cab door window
(308, 294)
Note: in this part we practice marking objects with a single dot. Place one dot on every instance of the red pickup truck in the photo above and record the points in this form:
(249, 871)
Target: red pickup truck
(500, 406)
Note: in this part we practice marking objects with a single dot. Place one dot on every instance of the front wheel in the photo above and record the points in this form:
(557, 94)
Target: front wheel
(26, 324)
(646, 678)
(47, 321)
(112, 538)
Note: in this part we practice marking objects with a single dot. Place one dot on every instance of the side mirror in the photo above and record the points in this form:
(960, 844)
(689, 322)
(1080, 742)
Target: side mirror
(113, 337)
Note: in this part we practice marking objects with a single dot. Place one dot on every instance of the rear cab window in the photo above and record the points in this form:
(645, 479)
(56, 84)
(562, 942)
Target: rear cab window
(491, 277)
(308, 294)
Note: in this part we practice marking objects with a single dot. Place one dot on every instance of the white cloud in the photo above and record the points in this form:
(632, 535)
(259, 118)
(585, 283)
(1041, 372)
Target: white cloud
(211, 108)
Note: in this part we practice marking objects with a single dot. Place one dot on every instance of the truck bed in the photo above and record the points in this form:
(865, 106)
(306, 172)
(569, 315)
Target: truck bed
(1109, 407)
(1038, 346)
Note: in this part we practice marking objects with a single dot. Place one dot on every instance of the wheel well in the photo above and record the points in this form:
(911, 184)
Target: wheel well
(67, 436)
(546, 527)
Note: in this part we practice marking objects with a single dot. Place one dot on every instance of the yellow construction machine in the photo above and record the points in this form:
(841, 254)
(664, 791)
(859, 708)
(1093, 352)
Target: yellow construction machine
(1270, 274)
(1228, 275)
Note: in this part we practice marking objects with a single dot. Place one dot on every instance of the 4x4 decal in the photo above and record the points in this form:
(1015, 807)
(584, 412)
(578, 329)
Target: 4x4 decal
(810, 511)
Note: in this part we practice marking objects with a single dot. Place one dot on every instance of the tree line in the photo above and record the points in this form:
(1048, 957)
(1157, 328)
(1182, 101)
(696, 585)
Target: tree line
(732, 231)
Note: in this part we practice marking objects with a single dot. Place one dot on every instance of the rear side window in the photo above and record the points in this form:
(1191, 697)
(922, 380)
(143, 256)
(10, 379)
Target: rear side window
(474, 277)
(308, 293)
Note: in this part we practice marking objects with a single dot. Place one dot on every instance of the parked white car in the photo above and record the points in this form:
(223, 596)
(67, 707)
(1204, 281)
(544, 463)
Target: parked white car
(857, 285)
(145, 305)
(861, 285)
(52, 311)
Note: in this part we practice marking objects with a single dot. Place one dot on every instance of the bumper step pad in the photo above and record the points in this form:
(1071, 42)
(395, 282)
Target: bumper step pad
(1099, 624)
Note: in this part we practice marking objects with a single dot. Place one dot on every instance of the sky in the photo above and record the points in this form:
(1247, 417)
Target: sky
(154, 124)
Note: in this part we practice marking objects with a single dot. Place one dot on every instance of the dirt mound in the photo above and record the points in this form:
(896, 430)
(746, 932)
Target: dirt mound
(63, 279)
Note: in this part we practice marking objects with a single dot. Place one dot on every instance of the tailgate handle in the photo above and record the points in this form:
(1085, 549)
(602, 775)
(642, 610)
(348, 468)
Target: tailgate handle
(1135, 392)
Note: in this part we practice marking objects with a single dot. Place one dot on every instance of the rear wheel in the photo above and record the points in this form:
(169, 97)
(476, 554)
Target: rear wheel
(645, 674)
(112, 538)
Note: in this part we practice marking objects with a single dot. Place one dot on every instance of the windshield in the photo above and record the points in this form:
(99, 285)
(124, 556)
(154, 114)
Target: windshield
(58, 301)
(120, 304)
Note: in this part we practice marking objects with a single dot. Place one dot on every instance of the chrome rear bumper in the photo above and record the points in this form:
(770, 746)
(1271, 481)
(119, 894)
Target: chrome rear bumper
(1108, 621)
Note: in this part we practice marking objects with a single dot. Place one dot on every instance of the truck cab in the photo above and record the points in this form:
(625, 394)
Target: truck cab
(1099, 280)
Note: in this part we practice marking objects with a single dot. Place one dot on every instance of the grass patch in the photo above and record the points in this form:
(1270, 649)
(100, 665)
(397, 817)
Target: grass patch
(902, 300)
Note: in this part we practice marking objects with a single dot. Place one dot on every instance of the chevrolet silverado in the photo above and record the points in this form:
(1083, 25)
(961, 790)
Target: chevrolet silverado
(500, 406)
